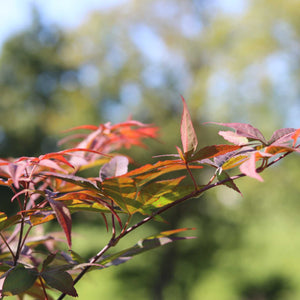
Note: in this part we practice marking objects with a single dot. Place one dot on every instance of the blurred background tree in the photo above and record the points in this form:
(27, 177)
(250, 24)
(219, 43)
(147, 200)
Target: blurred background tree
(234, 61)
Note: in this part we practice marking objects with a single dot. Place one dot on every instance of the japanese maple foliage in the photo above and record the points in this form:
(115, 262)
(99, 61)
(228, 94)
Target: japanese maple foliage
(50, 187)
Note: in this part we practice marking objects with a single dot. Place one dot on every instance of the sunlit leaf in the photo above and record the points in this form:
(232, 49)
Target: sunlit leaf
(3, 217)
(188, 135)
(212, 151)
(156, 193)
(249, 166)
(117, 166)
(122, 191)
(5, 223)
(149, 172)
(167, 198)
(234, 162)
(16, 171)
(51, 165)
(275, 149)
(233, 137)
(282, 135)
(295, 136)
(40, 217)
(245, 130)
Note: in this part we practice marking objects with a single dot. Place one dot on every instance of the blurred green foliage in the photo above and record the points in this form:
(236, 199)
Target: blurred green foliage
(237, 63)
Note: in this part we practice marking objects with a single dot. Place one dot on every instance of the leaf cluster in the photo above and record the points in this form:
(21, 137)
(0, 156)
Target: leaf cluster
(51, 186)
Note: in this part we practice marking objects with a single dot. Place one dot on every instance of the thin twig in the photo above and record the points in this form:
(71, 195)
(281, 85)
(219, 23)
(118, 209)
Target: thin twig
(26, 235)
(8, 247)
(191, 175)
(43, 287)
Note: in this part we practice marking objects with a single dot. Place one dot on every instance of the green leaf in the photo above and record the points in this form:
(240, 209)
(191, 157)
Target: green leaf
(49, 259)
(122, 191)
(161, 193)
(7, 222)
(169, 197)
(188, 135)
(229, 183)
(76, 257)
(143, 245)
(59, 280)
(18, 280)
(234, 162)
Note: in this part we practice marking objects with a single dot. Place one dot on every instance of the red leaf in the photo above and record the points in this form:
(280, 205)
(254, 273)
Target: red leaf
(282, 135)
(212, 151)
(87, 127)
(51, 165)
(63, 216)
(245, 130)
(188, 135)
(249, 166)
(16, 171)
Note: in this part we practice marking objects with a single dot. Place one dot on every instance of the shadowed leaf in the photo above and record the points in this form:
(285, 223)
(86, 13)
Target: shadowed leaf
(59, 280)
(76, 180)
(143, 245)
(63, 216)
(229, 183)
(18, 280)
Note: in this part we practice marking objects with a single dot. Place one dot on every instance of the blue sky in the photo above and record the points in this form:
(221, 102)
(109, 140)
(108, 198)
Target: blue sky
(15, 15)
